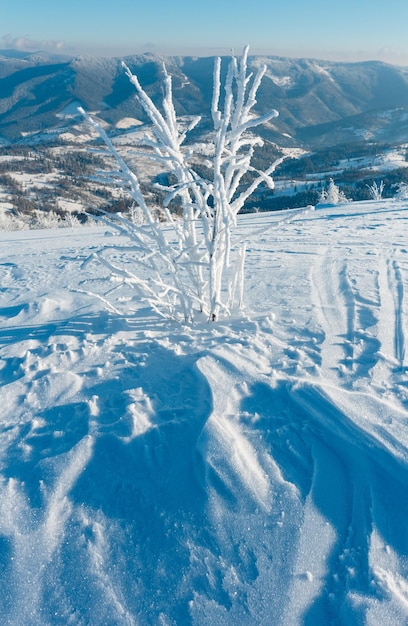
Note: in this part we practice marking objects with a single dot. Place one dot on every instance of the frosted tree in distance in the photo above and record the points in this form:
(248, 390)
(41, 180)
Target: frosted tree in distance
(189, 265)
(376, 191)
(332, 195)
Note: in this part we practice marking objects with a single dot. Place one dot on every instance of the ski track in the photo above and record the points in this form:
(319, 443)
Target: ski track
(397, 290)
(360, 324)
(253, 471)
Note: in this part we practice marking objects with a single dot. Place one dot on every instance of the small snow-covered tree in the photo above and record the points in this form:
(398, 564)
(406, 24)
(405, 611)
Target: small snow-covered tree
(332, 195)
(188, 266)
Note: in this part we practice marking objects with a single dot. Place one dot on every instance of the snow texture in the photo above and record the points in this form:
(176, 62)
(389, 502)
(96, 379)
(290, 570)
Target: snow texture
(249, 471)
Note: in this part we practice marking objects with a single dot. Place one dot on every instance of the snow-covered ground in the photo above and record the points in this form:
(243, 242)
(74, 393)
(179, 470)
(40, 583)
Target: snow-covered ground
(251, 471)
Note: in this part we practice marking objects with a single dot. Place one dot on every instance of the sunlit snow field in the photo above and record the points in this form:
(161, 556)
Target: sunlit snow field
(252, 471)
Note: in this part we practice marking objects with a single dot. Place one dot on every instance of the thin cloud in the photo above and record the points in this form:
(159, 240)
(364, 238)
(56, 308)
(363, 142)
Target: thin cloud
(27, 44)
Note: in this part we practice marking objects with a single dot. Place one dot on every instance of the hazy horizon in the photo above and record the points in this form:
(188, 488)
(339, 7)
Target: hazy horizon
(96, 51)
(321, 29)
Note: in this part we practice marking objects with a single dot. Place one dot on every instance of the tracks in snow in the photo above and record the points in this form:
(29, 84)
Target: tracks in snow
(360, 306)
(256, 472)
(393, 292)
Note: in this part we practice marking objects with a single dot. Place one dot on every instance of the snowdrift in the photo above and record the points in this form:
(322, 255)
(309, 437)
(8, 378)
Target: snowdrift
(251, 471)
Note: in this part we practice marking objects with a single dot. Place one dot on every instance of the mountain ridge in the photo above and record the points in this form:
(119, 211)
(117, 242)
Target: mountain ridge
(316, 99)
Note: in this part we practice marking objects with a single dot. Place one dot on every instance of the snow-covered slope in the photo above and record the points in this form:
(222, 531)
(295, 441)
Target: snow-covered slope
(252, 471)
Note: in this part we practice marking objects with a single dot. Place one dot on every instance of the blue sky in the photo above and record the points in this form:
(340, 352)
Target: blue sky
(329, 29)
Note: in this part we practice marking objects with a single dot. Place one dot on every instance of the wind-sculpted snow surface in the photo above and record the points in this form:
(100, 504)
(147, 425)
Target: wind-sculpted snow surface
(252, 471)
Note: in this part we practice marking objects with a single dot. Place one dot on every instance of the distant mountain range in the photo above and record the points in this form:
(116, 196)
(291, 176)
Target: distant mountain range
(321, 103)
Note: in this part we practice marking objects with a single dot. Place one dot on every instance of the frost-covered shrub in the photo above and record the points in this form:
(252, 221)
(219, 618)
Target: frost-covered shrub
(36, 220)
(375, 190)
(332, 195)
(187, 267)
(402, 191)
(45, 219)
(10, 221)
(136, 215)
